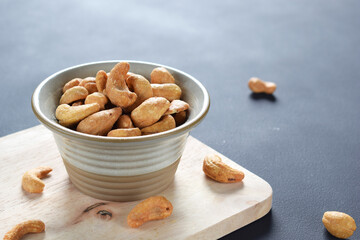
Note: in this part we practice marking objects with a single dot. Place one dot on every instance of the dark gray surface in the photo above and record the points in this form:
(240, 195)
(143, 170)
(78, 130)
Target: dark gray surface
(305, 141)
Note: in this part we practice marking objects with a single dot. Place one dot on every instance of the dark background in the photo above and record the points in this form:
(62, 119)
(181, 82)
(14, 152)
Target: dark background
(305, 140)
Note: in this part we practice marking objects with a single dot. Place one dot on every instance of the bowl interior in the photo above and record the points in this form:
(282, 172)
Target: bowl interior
(46, 96)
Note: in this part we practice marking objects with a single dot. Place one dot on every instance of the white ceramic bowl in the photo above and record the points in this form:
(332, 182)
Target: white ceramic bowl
(119, 169)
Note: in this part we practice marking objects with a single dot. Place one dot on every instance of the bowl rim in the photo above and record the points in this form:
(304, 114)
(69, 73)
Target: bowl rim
(74, 134)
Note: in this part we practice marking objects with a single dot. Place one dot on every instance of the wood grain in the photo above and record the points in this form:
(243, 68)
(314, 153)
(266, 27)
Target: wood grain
(203, 208)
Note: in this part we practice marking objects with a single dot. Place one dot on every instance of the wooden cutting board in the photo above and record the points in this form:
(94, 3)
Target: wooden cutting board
(203, 208)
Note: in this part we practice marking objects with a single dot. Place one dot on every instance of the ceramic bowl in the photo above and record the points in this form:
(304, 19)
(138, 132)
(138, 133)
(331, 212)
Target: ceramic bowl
(119, 169)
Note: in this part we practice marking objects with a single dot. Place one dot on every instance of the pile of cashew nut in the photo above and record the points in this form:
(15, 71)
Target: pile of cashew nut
(122, 104)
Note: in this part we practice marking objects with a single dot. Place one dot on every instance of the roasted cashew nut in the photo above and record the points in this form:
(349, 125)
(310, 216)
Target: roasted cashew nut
(177, 106)
(170, 91)
(141, 86)
(124, 121)
(74, 94)
(259, 86)
(77, 103)
(124, 132)
(152, 208)
(100, 80)
(165, 123)
(161, 75)
(99, 123)
(86, 80)
(339, 224)
(98, 98)
(216, 169)
(31, 226)
(91, 87)
(116, 88)
(72, 83)
(149, 112)
(31, 179)
(69, 115)
(90, 84)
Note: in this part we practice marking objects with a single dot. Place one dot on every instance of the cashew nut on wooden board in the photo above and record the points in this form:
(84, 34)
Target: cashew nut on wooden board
(122, 103)
(152, 208)
(19, 230)
(31, 179)
(216, 169)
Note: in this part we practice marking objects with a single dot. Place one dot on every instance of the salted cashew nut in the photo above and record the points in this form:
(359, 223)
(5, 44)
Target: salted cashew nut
(180, 118)
(116, 88)
(214, 168)
(99, 123)
(19, 230)
(98, 98)
(77, 103)
(124, 121)
(339, 224)
(31, 179)
(69, 115)
(129, 74)
(124, 132)
(165, 123)
(259, 86)
(100, 80)
(177, 106)
(91, 87)
(141, 86)
(149, 112)
(74, 94)
(170, 91)
(87, 80)
(161, 75)
(72, 83)
(152, 208)
(90, 84)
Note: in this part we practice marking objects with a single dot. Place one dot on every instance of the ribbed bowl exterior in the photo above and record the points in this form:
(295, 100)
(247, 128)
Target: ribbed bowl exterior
(128, 188)
(121, 159)
(121, 171)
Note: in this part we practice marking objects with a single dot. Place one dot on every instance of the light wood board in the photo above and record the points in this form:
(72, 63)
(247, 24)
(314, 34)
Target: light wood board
(203, 208)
